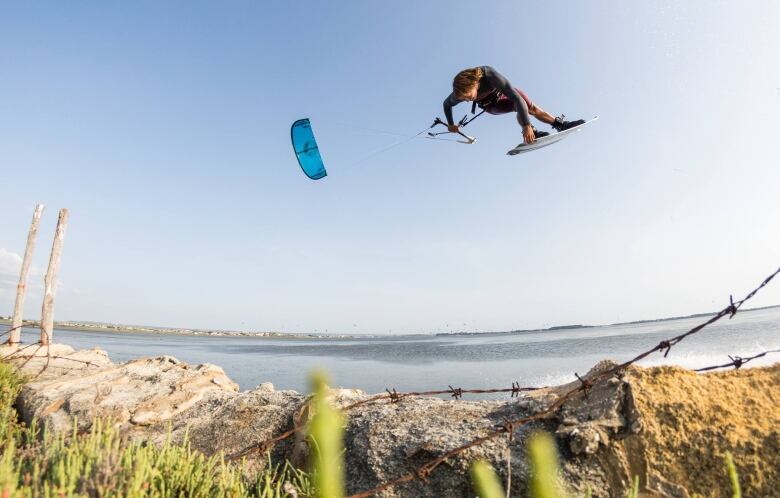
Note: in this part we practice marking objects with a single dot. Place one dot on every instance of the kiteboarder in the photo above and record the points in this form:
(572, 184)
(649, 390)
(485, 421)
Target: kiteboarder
(493, 93)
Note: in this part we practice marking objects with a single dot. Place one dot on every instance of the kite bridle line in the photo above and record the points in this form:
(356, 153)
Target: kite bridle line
(431, 135)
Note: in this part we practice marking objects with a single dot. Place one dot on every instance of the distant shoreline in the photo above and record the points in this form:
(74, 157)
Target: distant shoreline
(573, 327)
(140, 329)
(133, 329)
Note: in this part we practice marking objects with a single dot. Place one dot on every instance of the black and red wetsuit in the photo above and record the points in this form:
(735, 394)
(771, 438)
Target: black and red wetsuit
(496, 96)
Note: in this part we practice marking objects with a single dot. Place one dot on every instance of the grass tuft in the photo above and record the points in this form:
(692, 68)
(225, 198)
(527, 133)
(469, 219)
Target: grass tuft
(544, 466)
(733, 477)
(102, 463)
(326, 434)
(486, 482)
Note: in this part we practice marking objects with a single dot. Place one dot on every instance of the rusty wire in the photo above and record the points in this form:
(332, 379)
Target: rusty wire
(14, 355)
(394, 397)
(509, 426)
(737, 361)
(8, 332)
(11, 329)
(456, 393)
(28, 357)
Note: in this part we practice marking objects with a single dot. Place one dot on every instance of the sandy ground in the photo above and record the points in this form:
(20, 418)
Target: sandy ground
(699, 417)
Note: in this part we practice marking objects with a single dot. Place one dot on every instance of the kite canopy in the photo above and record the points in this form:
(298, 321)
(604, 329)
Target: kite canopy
(306, 149)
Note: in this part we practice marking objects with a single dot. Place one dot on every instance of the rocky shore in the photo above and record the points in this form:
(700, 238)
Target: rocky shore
(667, 425)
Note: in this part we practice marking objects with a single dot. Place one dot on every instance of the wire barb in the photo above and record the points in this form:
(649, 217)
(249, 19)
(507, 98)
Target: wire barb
(731, 309)
(587, 385)
(664, 346)
(509, 427)
(394, 396)
(737, 361)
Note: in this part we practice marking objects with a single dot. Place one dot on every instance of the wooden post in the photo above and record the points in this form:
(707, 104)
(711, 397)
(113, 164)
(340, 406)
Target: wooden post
(21, 288)
(50, 281)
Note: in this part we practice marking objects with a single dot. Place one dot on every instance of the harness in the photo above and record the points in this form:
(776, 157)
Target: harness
(486, 101)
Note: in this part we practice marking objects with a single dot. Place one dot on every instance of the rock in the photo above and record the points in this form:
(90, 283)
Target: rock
(651, 422)
(233, 422)
(137, 393)
(387, 440)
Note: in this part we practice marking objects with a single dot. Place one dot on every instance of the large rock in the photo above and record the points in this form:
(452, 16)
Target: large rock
(133, 395)
(387, 440)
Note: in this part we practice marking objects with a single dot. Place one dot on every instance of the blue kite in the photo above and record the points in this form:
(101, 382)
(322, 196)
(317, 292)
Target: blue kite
(306, 149)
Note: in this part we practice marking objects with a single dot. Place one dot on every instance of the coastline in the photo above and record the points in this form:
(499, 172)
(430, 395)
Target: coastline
(137, 329)
(132, 329)
(557, 328)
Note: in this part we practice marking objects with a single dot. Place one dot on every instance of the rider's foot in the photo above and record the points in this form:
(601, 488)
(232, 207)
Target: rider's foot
(561, 124)
(540, 134)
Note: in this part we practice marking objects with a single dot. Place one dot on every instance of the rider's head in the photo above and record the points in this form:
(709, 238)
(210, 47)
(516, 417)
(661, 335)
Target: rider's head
(466, 83)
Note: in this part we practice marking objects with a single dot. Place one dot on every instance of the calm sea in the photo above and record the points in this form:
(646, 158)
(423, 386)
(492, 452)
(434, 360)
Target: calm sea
(426, 362)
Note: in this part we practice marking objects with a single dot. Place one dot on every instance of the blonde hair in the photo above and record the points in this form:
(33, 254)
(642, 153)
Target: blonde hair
(465, 81)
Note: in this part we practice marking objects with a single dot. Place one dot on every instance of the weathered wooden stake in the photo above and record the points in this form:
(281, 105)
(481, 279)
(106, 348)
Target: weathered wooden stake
(21, 288)
(50, 281)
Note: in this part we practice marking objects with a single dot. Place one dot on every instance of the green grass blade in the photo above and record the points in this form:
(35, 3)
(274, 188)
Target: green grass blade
(544, 466)
(736, 491)
(326, 430)
(486, 482)
(634, 491)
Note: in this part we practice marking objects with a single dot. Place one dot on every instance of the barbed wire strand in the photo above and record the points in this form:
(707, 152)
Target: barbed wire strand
(423, 471)
(395, 396)
(737, 361)
(509, 425)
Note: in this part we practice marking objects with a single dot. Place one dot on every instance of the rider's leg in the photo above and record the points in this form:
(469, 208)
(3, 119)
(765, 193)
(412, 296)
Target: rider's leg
(559, 124)
(541, 114)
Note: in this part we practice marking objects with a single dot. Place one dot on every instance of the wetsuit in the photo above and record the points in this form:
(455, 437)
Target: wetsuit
(497, 96)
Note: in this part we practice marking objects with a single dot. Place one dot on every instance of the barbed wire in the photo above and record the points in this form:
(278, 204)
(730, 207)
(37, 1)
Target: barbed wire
(29, 357)
(394, 396)
(737, 361)
(23, 325)
(14, 354)
(454, 392)
(510, 425)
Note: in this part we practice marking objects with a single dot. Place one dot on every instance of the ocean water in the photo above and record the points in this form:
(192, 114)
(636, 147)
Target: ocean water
(428, 362)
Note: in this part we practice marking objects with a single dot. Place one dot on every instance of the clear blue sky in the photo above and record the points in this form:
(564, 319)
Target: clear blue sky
(164, 128)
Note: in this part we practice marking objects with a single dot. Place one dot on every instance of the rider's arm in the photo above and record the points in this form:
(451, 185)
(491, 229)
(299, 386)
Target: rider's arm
(499, 82)
(449, 103)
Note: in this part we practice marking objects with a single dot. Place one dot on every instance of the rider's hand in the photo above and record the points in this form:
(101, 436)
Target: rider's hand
(528, 134)
(453, 128)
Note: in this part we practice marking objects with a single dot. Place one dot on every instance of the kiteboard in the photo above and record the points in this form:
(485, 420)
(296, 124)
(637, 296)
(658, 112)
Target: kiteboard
(549, 139)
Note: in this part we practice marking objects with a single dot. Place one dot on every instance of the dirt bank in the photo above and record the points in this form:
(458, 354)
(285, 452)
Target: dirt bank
(690, 420)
